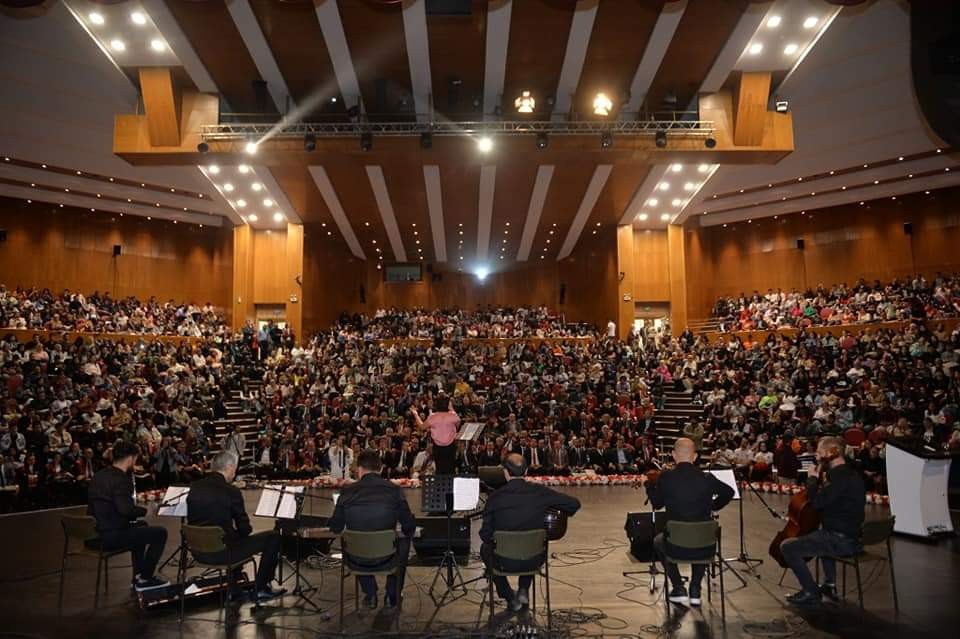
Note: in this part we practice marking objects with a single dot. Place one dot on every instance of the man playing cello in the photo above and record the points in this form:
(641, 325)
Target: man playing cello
(840, 501)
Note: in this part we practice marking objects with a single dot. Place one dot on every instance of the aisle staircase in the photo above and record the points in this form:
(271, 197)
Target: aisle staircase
(245, 422)
(677, 410)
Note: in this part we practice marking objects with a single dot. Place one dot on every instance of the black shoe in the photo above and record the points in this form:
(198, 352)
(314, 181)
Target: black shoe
(267, 593)
(678, 595)
(150, 583)
(370, 602)
(520, 601)
(695, 599)
(804, 599)
(829, 592)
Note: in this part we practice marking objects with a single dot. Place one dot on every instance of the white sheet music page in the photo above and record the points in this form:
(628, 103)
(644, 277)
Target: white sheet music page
(469, 431)
(269, 498)
(466, 493)
(288, 503)
(176, 500)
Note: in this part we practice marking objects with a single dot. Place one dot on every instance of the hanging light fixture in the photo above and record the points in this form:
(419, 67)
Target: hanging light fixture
(525, 103)
(602, 105)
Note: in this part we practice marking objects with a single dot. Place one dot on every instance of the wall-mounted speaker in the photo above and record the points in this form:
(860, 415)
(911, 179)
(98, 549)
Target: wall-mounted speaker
(908, 228)
(429, 268)
(363, 294)
(117, 250)
(800, 243)
(563, 293)
(3, 235)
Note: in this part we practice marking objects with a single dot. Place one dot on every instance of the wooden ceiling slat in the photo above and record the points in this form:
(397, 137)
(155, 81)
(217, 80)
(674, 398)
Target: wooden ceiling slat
(408, 195)
(349, 179)
(623, 182)
(457, 49)
(511, 200)
(705, 27)
(215, 38)
(461, 194)
(378, 48)
(569, 183)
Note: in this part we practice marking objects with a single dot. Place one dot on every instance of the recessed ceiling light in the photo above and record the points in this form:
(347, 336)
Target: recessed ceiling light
(676, 168)
(598, 223)
(484, 144)
(703, 168)
(118, 45)
(243, 168)
(910, 176)
(241, 203)
(157, 45)
(43, 166)
(250, 148)
(876, 181)
(755, 48)
(773, 22)
(676, 201)
(832, 172)
(926, 192)
(329, 233)
(664, 217)
(138, 18)
(213, 169)
(374, 241)
(664, 186)
(642, 217)
(900, 159)
(790, 49)
(741, 190)
(256, 186)
(96, 18)
(652, 201)
(227, 187)
(689, 186)
(268, 202)
(861, 203)
(810, 22)
(278, 217)
(865, 165)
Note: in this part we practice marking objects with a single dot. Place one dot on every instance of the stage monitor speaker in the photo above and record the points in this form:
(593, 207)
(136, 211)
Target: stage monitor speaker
(563, 293)
(116, 250)
(800, 243)
(432, 542)
(908, 228)
(641, 528)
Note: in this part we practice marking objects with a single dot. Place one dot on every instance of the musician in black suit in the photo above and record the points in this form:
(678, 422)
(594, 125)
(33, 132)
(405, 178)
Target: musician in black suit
(213, 501)
(688, 494)
(518, 505)
(373, 503)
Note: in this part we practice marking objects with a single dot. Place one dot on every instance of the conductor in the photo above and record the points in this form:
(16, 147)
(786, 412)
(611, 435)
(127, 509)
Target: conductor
(518, 505)
(688, 494)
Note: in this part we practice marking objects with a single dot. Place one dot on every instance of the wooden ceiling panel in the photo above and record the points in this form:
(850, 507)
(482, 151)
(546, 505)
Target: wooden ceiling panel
(349, 179)
(461, 195)
(405, 185)
(511, 200)
(300, 51)
(378, 48)
(538, 41)
(567, 187)
(620, 34)
(623, 182)
(215, 38)
(457, 49)
(705, 27)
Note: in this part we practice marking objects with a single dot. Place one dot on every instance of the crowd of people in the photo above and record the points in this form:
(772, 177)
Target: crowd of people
(41, 309)
(863, 303)
(577, 406)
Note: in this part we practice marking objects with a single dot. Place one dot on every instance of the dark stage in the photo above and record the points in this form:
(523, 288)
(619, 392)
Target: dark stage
(590, 595)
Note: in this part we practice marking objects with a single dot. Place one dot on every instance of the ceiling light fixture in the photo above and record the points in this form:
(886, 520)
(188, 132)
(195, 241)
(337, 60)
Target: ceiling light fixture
(602, 105)
(703, 168)
(664, 217)
(268, 202)
(642, 217)
(676, 201)
(652, 201)
(256, 186)
(525, 103)
(755, 48)
(664, 186)
(213, 169)
(228, 187)
(676, 168)
(278, 217)
(118, 45)
(252, 217)
(773, 22)
(241, 203)
(138, 18)
(243, 168)
(157, 45)
(790, 49)
(250, 147)
(96, 18)
(689, 186)
(484, 144)
(810, 22)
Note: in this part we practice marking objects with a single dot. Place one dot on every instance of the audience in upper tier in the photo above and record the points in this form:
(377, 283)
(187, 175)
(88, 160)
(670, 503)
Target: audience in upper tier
(587, 405)
(840, 304)
(36, 309)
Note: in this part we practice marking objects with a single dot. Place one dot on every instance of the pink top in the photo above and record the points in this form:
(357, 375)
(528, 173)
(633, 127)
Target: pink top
(443, 427)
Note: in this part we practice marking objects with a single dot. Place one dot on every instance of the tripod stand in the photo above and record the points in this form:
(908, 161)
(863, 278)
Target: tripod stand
(299, 590)
(743, 557)
(438, 495)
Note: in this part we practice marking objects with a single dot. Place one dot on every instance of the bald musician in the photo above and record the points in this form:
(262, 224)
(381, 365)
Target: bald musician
(840, 499)
(688, 494)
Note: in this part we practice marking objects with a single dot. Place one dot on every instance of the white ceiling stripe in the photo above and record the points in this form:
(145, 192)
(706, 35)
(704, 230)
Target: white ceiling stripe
(751, 20)
(180, 45)
(495, 59)
(660, 39)
(379, 186)
(252, 35)
(576, 53)
(329, 195)
(431, 177)
(643, 192)
(597, 182)
(329, 17)
(418, 56)
(488, 174)
(537, 199)
(279, 197)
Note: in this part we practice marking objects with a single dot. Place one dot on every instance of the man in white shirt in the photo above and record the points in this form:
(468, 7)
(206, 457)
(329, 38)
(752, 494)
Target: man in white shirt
(611, 329)
(341, 458)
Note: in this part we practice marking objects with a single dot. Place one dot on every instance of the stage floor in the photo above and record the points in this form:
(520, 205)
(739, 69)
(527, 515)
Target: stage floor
(590, 595)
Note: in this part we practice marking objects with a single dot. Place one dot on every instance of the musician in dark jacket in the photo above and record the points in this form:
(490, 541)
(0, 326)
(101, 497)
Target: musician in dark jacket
(688, 494)
(841, 502)
(373, 503)
(112, 506)
(213, 501)
(518, 505)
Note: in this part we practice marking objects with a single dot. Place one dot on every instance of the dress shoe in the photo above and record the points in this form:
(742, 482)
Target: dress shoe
(829, 593)
(678, 595)
(267, 593)
(804, 599)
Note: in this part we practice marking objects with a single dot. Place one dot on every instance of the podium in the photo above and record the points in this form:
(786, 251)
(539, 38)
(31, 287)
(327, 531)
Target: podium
(917, 478)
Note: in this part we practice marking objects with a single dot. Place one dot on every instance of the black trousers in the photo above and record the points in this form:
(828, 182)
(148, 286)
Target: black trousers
(697, 571)
(821, 542)
(368, 583)
(500, 582)
(266, 543)
(145, 544)
(445, 458)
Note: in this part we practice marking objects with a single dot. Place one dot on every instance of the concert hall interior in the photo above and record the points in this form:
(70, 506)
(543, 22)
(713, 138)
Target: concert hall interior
(479, 318)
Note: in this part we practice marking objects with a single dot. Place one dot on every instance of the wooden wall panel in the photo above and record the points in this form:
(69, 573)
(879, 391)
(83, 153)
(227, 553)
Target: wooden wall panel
(332, 277)
(651, 269)
(269, 267)
(71, 248)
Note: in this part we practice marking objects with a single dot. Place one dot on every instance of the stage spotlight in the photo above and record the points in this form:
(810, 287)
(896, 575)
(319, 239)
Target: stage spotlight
(203, 147)
(426, 140)
(660, 138)
(481, 274)
(542, 140)
(602, 105)
(606, 140)
(250, 147)
(710, 143)
(366, 141)
(525, 103)
(309, 142)
(484, 144)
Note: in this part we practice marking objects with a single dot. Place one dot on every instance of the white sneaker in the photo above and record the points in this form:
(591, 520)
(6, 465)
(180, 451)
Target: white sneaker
(150, 584)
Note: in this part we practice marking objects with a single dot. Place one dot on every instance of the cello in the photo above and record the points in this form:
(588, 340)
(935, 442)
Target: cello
(802, 519)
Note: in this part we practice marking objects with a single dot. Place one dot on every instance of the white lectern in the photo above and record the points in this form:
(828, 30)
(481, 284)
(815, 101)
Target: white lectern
(917, 479)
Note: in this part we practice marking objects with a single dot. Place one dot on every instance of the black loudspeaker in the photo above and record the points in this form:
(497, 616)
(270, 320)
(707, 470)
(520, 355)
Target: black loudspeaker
(563, 293)
(935, 62)
(800, 243)
(908, 228)
(429, 268)
(116, 250)
(641, 528)
(432, 542)
(363, 295)
(3, 235)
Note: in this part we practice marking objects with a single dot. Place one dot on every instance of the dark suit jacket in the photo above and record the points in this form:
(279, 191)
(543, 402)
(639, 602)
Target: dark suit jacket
(521, 505)
(689, 494)
(214, 502)
(576, 458)
(373, 503)
(596, 458)
(489, 460)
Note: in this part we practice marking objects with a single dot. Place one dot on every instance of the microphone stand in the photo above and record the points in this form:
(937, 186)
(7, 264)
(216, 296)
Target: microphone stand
(744, 558)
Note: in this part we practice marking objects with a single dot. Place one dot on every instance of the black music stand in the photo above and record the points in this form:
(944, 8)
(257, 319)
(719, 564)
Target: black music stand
(744, 558)
(436, 497)
(299, 497)
(176, 506)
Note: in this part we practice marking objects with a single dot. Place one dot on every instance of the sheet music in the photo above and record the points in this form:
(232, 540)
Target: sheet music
(269, 498)
(176, 498)
(274, 503)
(727, 477)
(470, 430)
(288, 503)
(466, 493)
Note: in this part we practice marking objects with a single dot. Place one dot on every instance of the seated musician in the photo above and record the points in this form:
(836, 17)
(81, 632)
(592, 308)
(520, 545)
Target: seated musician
(518, 505)
(840, 500)
(213, 501)
(688, 494)
(113, 508)
(374, 503)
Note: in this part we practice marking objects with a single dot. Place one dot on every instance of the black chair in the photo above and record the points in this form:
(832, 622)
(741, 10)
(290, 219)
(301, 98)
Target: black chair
(373, 546)
(697, 535)
(83, 531)
(205, 541)
(874, 533)
(522, 545)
